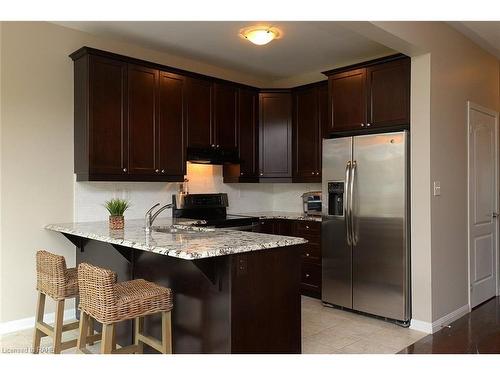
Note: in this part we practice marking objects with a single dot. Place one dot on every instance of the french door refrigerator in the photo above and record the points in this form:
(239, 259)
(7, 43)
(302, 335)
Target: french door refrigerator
(365, 228)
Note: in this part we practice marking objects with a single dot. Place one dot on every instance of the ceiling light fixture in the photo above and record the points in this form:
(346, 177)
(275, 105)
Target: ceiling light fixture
(260, 35)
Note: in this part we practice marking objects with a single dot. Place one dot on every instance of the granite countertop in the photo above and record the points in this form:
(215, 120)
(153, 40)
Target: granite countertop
(282, 215)
(186, 241)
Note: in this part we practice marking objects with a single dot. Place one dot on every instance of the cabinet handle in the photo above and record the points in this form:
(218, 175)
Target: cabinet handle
(124, 169)
(307, 275)
(307, 254)
(213, 145)
(368, 124)
(362, 125)
(241, 174)
(307, 226)
(163, 171)
(157, 170)
(262, 174)
(313, 173)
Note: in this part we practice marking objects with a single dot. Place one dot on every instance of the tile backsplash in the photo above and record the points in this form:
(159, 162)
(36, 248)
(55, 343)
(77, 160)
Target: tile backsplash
(90, 196)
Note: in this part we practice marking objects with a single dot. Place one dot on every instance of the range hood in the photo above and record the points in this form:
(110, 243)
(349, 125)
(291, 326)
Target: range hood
(212, 155)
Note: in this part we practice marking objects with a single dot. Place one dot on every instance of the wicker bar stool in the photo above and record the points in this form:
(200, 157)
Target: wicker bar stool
(53, 279)
(109, 302)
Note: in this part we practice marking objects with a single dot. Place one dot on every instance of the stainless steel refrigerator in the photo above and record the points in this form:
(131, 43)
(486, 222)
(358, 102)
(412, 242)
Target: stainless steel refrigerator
(365, 227)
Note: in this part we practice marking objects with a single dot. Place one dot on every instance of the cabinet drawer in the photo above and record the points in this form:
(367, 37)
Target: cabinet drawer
(311, 275)
(307, 229)
(311, 252)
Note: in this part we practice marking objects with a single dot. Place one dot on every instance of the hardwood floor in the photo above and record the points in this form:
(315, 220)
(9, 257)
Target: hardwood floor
(477, 332)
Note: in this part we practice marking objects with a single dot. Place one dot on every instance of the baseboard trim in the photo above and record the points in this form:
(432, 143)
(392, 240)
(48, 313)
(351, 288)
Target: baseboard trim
(420, 325)
(450, 318)
(27, 323)
(436, 325)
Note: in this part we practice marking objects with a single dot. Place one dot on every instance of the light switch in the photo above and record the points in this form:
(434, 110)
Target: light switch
(437, 188)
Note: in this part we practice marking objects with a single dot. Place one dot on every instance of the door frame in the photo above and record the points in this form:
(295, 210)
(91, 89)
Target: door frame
(474, 106)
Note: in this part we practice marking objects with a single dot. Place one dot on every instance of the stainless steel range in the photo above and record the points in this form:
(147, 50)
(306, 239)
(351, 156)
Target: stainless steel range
(365, 224)
(211, 208)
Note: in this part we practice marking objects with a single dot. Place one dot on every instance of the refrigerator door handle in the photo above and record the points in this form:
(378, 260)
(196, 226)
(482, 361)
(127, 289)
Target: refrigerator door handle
(354, 236)
(347, 212)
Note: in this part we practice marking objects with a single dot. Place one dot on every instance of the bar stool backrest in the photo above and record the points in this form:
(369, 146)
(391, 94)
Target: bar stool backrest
(97, 291)
(51, 275)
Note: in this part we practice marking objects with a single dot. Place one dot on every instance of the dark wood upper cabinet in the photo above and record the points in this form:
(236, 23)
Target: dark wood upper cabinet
(348, 100)
(374, 94)
(389, 93)
(225, 116)
(199, 113)
(171, 131)
(306, 135)
(275, 134)
(142, 93)
(323, 111)
(99, 148)
(248, 127)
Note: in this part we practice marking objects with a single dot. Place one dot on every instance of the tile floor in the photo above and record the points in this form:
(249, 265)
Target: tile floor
(324, 331)
(327, 330)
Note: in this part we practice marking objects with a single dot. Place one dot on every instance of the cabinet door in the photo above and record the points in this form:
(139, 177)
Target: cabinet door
(275, 135)
(247, 131)
(323, 121)
(306, 134)
(199, 113)
(389, 94)
(142, 94)
(348, 100)
(171, 132)
(225, 97)
(107, 130)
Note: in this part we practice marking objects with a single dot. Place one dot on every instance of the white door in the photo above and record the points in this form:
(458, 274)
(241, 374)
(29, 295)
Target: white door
(483, 203)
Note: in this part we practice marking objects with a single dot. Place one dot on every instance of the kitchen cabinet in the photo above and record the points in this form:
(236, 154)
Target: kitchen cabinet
(99, 115)
(142, 91)
(129, 120)
(389, 93)
(311, 272)
(348, 100)
(225, 116)
(199, 102)
(375, 94)
(275, 135)
(247, 136)
(171, 126)
(309, 105)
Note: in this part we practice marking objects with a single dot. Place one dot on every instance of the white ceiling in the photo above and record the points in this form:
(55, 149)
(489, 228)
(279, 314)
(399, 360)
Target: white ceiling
(305, 47)
(484, 33)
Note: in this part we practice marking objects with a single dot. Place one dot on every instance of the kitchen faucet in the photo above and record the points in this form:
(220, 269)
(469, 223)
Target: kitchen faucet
(150, 217)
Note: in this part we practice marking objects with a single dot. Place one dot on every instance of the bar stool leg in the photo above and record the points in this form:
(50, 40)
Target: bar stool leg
(139, 329)
(107, 338)
(83, 332)
(166, 332)
(58, 326)
(91, 329)
(40, 309)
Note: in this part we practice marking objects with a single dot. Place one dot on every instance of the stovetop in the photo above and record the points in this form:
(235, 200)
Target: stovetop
(211, 208)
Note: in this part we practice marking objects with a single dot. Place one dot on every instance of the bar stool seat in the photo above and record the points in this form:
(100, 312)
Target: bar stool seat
(109, 302)
(58, 282)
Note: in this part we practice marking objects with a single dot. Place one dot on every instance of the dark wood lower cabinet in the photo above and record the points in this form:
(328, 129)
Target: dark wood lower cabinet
(310, 284)
(241, 303)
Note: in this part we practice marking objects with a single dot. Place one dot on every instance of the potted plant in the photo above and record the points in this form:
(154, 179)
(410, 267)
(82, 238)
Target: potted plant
(116, 208)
